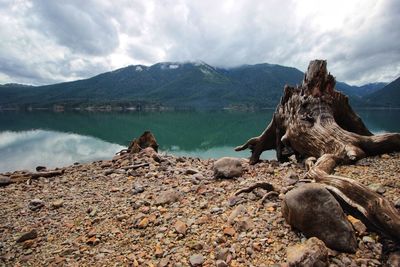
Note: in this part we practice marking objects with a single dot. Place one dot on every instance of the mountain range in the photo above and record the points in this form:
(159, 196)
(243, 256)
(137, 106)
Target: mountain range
(185, 85)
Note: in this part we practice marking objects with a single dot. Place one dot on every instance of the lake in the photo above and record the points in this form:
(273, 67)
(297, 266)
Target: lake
(30, 139)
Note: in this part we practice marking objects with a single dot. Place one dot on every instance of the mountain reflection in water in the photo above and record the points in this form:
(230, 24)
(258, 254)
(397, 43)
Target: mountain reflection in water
(28, 149)
(64, 138)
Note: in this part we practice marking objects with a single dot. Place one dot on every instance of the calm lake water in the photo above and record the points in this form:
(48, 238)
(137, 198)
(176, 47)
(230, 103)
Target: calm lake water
(29, 139)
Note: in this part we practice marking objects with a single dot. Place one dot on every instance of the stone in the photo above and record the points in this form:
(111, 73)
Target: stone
(57, 204)
(313, 252)
(27, 236)
(5, 180)
(227, 167)
(291, 178)
(108, 171)
(164, 262)
(143, 223)
(180, 227)
(239, 210)
(93, 241)
(368, 239)
(397, 203)
(196, 260)
(394, 259)
(221, 254)
(195, 245)
(221, 263)
(41, 168)
(244, 224)
(158, 251)
(234, 200)
(191, 171)
(28, 244)
(167, 197)
(35, 204)
(229, 230)
(313, 210)
(137, 189)
(357, 225)
(378, 188)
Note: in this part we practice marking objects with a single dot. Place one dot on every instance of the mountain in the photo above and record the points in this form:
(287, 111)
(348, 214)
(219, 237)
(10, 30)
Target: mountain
(388, 96)
(197, 85)
(171, 84)
(359, 91)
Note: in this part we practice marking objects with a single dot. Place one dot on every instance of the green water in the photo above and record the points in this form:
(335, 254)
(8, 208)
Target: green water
(28, 139)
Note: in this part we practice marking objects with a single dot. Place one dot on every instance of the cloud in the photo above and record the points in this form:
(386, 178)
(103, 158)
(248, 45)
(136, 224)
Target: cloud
(52, 148)
(53, 41)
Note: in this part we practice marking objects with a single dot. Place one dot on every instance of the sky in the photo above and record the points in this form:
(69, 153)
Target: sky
(46, 41)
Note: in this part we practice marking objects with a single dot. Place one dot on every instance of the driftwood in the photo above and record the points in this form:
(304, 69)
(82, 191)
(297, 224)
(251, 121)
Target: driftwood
(316, 122)
(136, 166)
(27, 176)
(147, 139)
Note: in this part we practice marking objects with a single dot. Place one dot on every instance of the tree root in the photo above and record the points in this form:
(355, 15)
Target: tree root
(263, 185)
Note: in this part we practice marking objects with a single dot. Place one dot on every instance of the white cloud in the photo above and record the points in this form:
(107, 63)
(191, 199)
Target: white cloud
(49, 148)
(53, 41)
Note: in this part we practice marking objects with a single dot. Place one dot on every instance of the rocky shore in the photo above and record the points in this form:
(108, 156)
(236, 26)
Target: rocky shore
(159, 210)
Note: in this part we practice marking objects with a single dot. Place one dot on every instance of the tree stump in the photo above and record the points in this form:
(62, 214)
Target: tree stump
(314, 121)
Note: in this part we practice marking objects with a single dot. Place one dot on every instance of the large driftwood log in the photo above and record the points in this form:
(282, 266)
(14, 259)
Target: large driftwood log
(316, 121)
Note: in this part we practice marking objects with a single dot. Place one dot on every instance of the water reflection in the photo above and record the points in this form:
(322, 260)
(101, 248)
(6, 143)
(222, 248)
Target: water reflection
(218, 152)
(28, 149)
(100, 135)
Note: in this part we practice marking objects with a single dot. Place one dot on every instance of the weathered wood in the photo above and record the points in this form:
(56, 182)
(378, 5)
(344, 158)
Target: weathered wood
(135, 166)
(317, 122)
(147, 139)
(26, 176)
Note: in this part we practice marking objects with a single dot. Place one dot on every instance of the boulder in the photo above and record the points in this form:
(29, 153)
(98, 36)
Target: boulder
(313, 210)
(227, 167)
(313, 252)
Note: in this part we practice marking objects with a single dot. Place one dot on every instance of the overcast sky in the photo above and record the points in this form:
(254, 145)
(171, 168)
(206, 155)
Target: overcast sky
(44, 42)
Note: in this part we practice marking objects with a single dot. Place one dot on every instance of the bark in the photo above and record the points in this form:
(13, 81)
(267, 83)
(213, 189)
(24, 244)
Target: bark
(147, 139)
(24, 177)
(316, 121)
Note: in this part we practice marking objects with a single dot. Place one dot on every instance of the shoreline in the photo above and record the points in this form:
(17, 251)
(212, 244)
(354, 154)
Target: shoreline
(106, 212)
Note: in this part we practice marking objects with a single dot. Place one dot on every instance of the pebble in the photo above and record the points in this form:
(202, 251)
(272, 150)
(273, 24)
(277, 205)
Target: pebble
(397, 203)
(221, 263)
(291, 178)
(57, 204)
(191, 171)
(368, 239)
(357, 225)
(227, 167)
(167, 197)
(229, 231)
(378, 188)
(5, 180)
(27, 236)
(180, 227)
(222, 254)
(94, 225)
(164, 262)
(311, 253)
(35, 204)
(143, 223)
(196, 260)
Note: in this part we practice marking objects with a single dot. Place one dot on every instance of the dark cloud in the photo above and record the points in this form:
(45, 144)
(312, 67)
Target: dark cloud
(82, 26)
(51, 41)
